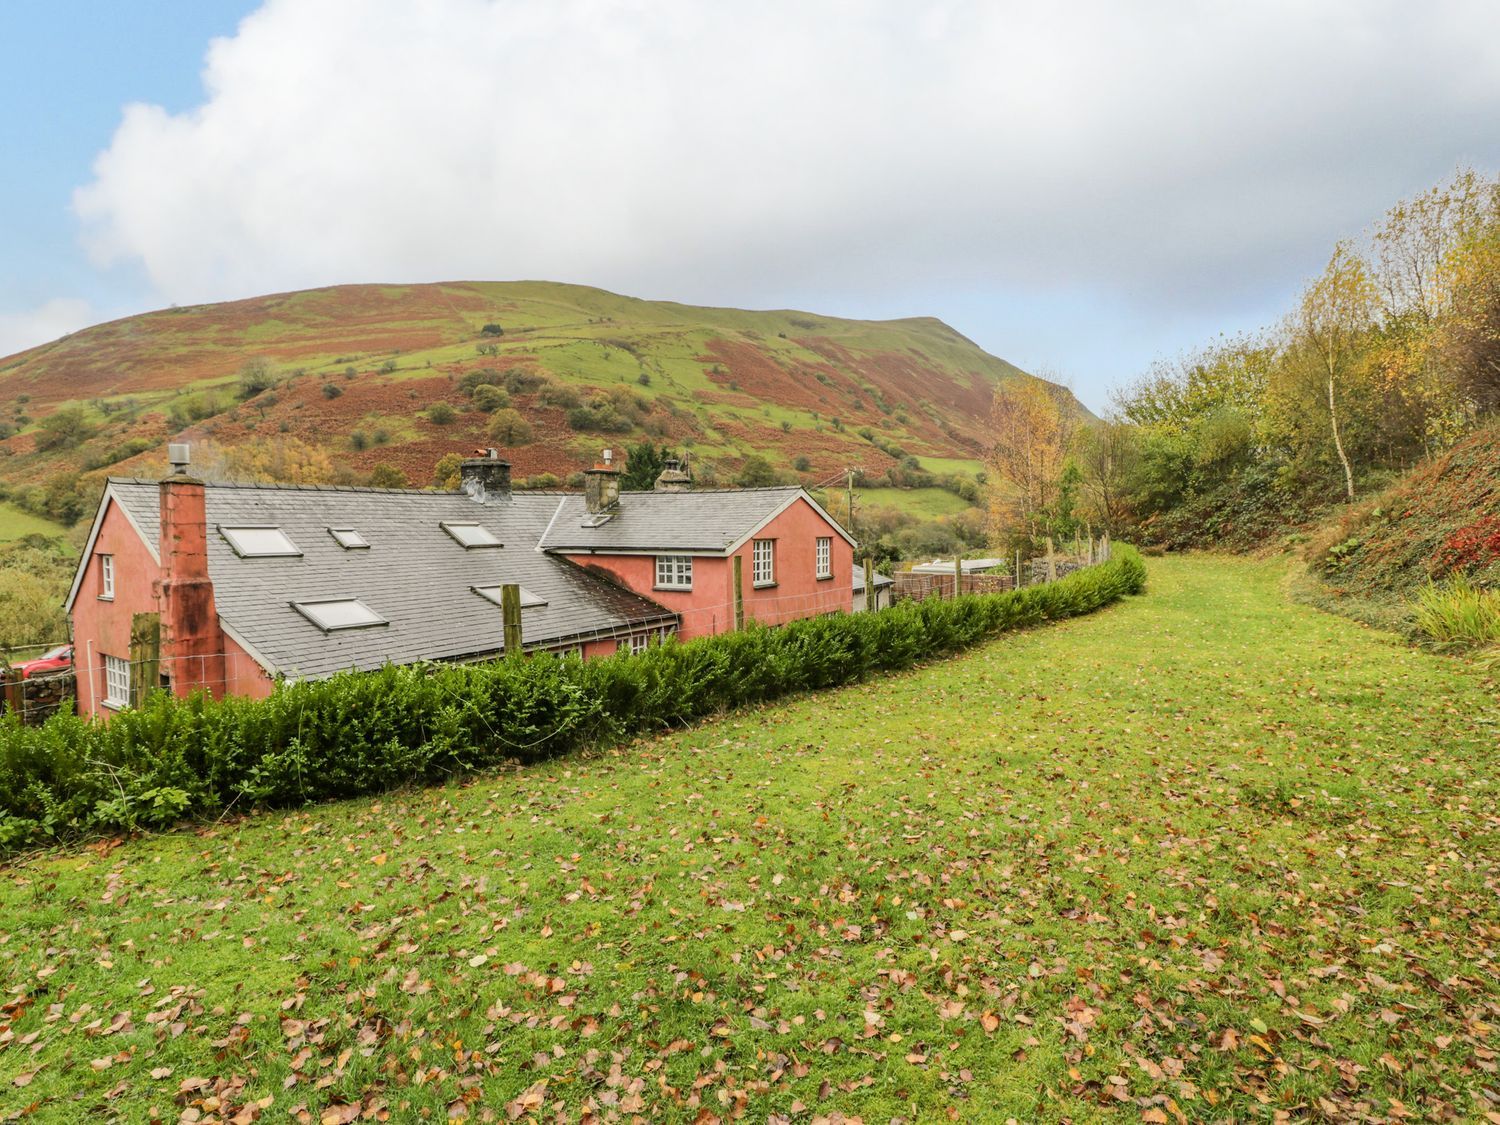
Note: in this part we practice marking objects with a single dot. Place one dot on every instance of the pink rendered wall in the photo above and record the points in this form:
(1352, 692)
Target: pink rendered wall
(102, 627)
(708, 607)
(798, 592)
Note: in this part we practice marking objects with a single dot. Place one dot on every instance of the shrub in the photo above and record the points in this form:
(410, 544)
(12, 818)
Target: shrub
(802, 464)
(1459, 614)
(509, 428)
(386, 475)
(332, 390)
(558, 394)
(492, 330)
(359, 441)
(364, 732)
(519, 381)
(756, 472)
(256, 375)
(489, 397)
(441, 414)
(63, 428)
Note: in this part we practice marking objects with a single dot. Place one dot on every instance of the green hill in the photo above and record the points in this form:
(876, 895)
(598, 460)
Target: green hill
(369, 375)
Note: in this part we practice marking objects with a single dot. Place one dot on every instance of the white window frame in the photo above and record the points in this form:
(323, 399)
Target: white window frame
(331, 621)
(674, 572)
(246, 547)
(107, 578)
(349, 539)
(825, 556)
(471, 536)
(116, 682)
(763, 562)
(639, 642)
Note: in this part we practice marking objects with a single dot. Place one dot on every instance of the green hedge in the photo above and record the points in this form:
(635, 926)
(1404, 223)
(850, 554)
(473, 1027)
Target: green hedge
(362, 732)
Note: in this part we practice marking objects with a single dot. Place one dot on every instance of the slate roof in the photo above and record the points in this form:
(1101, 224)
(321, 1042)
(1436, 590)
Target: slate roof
(708, 521)
(413, 574)
(880, 580)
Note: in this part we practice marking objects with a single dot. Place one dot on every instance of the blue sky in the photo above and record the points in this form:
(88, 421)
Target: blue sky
(1081, 188)
(69, 69)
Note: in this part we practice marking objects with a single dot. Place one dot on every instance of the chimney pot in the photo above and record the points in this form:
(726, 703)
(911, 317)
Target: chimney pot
(179, 455)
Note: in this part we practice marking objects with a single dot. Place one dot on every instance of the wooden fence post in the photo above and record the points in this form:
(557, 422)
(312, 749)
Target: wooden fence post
(737, 569)
(510, 614)
(1051, 562)
(958, 575)
(15, 693)
(145, 656)
(870, 603)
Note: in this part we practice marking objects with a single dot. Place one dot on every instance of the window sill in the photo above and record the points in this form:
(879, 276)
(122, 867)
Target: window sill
(825, 578)
(673, 589)
(106, 597)
(114, 704)
(763, 585)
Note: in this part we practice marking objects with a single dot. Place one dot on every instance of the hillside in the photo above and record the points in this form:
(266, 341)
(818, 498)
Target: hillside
(1440, 520)
(371, 376)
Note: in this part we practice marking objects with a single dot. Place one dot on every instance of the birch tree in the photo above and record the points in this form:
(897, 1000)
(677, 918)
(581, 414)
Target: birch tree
(1329, 326)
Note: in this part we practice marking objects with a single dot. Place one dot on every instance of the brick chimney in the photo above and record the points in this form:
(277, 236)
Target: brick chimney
(485, 478)
(192, 644)
(601, 485)
(674, 477)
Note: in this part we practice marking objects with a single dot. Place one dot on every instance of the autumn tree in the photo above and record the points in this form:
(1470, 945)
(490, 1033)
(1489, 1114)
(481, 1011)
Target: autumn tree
(1106, 456)
(1328, 327)
(1030, 433)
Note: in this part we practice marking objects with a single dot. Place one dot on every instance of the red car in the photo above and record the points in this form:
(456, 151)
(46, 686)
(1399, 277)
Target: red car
(59, 659)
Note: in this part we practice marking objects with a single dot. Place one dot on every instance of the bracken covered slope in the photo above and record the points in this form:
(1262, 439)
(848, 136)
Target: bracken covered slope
(358, 369)
(1441, 520)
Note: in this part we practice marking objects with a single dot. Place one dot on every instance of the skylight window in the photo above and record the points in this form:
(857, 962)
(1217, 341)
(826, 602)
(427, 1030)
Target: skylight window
(262, 542)
(349, 539)
(470, 535)
(339, 613)
(528, 599)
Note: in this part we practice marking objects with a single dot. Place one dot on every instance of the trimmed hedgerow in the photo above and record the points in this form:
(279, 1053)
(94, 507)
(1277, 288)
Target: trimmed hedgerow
(363, 732)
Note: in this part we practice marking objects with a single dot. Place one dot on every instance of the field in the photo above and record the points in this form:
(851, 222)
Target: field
(923, 502)
(1205, 856)
(16, 524)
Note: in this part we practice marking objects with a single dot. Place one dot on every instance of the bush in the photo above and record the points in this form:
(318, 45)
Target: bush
(492, 330)
(509, 428)
(489, 397)
(1459, 614)
(386, 475)
(363, 732)
(441, 414)
(332, 390)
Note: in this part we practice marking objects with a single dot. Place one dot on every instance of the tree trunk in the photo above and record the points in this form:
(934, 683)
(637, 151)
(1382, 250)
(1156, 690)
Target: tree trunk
(1338, 444)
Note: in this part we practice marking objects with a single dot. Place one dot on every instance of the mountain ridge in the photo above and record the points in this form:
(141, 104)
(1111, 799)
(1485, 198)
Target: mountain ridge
(384, 374)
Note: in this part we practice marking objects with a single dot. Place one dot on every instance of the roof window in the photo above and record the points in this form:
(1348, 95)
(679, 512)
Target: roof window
(470, 535)
(339, 613)
(349, 539)
(528, 599)
(259, 542)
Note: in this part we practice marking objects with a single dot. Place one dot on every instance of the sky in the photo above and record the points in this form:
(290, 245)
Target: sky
(1082, 188)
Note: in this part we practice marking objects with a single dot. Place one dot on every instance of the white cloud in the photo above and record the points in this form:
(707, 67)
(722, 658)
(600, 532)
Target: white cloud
(1158, 153)
(26, 329)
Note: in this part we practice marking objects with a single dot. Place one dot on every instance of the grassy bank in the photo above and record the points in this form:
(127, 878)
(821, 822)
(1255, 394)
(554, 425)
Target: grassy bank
(1206, 855)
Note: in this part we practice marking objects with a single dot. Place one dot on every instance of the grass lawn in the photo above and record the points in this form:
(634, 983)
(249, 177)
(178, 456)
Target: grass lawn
(1207, 855)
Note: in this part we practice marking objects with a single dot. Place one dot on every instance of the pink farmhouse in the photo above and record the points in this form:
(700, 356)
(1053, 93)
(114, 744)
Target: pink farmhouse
(191, 585)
